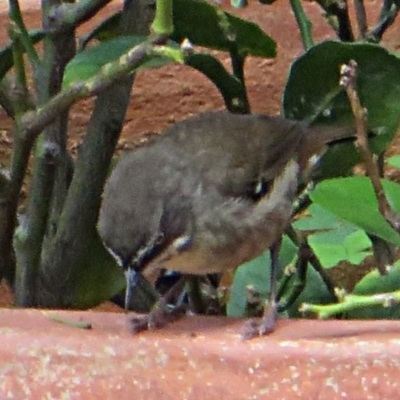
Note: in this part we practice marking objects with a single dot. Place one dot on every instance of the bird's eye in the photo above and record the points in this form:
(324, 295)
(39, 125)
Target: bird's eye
(259, 189)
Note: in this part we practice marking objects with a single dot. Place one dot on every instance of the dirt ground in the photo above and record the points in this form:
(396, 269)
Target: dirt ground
(162, 96)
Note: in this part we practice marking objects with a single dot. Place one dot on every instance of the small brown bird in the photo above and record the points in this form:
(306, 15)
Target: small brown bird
(210, 193)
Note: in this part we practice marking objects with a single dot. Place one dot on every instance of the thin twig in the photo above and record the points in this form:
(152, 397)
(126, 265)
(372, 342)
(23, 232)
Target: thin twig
(21, 98)
(348, 81)
(361, 17)
(337, 15)
(386, 18)
(349, 302)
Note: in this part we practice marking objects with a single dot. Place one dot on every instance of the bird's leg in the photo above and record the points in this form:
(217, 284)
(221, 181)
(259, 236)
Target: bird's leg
(269, 317)
(132, 279)
(266, 325)
(161, 315)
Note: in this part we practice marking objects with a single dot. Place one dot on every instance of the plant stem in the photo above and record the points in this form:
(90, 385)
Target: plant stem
(15, 15)
(21, 100)
(33, 122)
(71, 15)
(163, 21)
(387, 17)
(352, 302)
(65, 252)
(304, 24)
(338, 17)
(50, 152)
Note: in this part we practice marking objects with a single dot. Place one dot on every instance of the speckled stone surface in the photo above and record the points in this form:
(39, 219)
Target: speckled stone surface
(195, 358)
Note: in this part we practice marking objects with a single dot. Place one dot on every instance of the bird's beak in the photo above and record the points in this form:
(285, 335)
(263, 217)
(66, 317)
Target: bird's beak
(132, 279)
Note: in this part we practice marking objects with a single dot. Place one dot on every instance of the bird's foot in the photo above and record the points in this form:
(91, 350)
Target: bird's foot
(157, 318)
(253, 328)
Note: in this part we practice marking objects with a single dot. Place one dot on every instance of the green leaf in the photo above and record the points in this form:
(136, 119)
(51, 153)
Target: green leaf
(353, 200)
(337, 245)
(313, 93)
(98, 278)
(339, 241)
(230, 87)
(200, 22)
(373, 283)
(328, 252)
(357, 246)
(317, 218)
(313, 87)
(89, 62)
(394, 161)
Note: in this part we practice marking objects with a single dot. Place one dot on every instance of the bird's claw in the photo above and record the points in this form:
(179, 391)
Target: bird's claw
(156, 319)
(253, 328)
